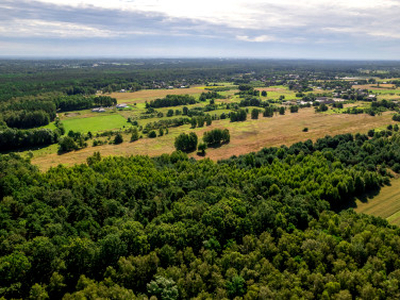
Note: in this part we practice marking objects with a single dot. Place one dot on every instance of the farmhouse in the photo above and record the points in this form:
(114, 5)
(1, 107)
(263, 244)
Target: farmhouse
(98, 109)
(304, 102)
(324, 100)
(122, 105)
(289, 103)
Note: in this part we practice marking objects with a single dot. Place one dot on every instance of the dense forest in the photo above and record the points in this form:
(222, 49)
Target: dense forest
(258, 226)
(267, 225)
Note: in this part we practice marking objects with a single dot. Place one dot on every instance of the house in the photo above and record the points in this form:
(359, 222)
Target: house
(289, 103)
(371, 97)
(324, 100)
(122, 91)
(122, 105)
(98, 109)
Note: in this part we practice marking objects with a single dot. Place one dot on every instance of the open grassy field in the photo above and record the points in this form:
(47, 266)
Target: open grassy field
(147, 95)
(274, 92)
(96, 123)
(386, 204)
(248, 136)
(375, 86)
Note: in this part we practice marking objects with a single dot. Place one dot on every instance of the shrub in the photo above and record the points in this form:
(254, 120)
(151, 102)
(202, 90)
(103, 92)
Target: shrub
(216, 137)
(118, 139)
(186, 142)
(152, 134)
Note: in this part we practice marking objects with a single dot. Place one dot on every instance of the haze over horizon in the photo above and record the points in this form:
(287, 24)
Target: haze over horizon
(288, 29)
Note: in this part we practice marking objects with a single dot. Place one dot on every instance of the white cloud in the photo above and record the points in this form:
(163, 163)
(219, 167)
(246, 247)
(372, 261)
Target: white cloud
(40, 28)
(260, 38)
(262, 15)
(160, 23)
(387, 33)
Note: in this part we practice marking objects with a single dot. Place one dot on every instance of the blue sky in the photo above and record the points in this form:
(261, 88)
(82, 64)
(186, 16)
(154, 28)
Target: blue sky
(314, 29)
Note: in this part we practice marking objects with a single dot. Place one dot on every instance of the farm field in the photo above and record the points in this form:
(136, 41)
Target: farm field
(386, 204)
(96, 123)
(147, 95)
(247, 136)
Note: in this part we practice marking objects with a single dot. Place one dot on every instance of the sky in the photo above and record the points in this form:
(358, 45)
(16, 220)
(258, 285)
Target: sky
(307, 29)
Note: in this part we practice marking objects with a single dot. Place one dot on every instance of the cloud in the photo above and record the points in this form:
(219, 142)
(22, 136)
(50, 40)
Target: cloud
(39, 28)
(259, 39)
(301, 27)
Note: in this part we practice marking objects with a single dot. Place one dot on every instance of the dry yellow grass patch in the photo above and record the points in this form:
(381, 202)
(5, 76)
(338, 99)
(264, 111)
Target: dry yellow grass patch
(248, 136)
(386, 204)
(374, 86)
(147, 95)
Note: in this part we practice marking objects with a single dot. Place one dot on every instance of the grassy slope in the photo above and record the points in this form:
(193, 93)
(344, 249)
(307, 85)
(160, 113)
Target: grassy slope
(386, 204)
(248, 136)
(94, 124)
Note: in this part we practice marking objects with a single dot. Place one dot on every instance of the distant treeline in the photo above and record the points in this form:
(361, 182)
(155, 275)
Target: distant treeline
(19, 78)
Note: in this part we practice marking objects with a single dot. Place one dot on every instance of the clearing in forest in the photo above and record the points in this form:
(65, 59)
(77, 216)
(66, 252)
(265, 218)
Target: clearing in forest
(94, 124)
(386, 204)
(152, 94)
(247, 136)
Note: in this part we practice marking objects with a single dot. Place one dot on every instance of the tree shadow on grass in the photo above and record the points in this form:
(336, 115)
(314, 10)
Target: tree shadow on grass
(352, 201)
(23, 149)
(216, 146)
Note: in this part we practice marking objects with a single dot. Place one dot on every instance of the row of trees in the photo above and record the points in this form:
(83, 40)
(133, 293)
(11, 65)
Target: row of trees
(171, 100)
(27, 112)
(200, 121)
(238, 116)
(78, 102)
(188, 142)
(26, 119)
(210, 95)
(13, 139)
(216, 137)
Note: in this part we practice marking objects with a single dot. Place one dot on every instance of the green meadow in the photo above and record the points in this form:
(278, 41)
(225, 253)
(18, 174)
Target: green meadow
(386, 204)
(94, 124)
